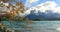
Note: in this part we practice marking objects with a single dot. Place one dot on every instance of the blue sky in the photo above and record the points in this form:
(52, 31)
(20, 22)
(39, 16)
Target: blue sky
(38, 2)
(57, 1)
(41, 1)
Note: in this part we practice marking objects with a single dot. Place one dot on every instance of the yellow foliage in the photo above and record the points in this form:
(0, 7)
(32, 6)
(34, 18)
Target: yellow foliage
(4, 0)
(27, 20)
(14, 11)
(1, 24)
(21, 18)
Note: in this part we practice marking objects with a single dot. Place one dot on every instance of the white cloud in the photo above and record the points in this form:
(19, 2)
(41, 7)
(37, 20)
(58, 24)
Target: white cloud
(51, 6)
(29, 3)
(32, 1)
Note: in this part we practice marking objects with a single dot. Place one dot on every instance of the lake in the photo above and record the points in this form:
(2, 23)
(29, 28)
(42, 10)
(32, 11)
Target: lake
(36, 26)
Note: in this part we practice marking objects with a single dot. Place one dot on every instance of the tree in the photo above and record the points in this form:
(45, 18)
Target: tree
(12, 11)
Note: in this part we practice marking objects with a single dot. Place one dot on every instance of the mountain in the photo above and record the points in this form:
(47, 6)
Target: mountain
(48, 14)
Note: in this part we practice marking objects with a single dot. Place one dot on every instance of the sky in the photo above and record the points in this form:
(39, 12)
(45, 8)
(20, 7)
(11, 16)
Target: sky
(31, 3)
(36, 2)
(53, 4)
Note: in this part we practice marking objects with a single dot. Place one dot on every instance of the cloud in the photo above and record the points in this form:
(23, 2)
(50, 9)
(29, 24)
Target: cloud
(32, 1)
(50, 6)
(29, 3)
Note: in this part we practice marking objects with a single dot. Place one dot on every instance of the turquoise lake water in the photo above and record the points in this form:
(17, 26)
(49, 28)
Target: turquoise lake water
(36, 26)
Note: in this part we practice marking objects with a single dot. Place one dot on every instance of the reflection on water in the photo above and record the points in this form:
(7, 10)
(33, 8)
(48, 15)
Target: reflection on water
(38, 26)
